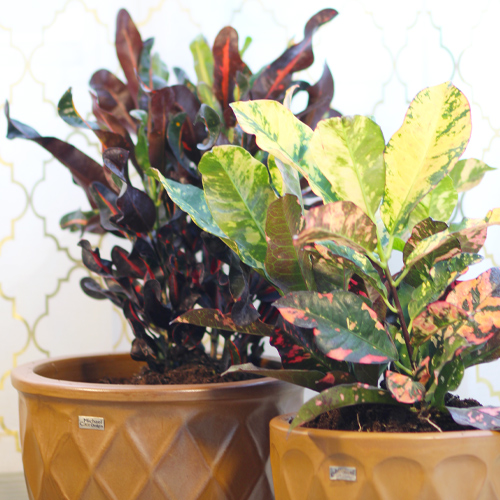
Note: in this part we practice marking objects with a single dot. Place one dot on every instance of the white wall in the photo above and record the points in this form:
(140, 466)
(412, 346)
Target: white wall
(381, 54)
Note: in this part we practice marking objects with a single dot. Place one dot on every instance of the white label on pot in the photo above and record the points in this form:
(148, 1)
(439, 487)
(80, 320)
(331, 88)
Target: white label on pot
(342, 473)
(96, 423)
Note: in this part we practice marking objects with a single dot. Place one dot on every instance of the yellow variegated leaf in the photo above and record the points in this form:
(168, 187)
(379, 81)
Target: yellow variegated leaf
(281, 134)
(423, 151)
(349, 151)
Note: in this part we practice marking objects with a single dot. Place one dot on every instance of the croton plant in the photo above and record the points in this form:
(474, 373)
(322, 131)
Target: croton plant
(350, 326)
(164, 130)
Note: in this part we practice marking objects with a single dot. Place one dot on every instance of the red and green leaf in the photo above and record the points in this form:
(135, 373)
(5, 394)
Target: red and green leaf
(213, 318)
(284, 262)
(403, 388)
(342, 222)
(345, 328)
(273, 81)
(339, 397)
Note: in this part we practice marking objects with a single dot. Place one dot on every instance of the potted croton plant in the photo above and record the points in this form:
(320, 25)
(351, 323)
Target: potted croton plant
(100, 426)
(384, 347)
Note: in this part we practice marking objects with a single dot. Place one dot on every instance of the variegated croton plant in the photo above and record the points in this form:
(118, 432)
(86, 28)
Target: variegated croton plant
(350, 327)
(164, 129)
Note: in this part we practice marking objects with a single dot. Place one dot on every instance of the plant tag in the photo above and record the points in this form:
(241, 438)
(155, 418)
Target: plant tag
(342, 473)
(96, 423)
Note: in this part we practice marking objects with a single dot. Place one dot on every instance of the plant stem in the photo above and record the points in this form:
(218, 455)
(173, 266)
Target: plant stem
(406, 335)
(403, 368)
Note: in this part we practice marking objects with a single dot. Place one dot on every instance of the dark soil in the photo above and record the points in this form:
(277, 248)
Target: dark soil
(193, 367)
(388, 418)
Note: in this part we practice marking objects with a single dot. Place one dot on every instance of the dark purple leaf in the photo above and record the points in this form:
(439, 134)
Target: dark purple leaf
(277, 77)
(114, 97)
(157, 312)
(92, 260)
(480, 417)
(128, 49)
(137, 210)
(115, 159)
(227, 62)
(125, 266)
(105, 199)
(94, 290)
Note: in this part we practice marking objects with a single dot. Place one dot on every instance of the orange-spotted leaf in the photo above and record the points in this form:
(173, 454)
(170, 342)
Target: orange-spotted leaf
(403, 388)
(345, 328)
(338, 397)
(480, 417)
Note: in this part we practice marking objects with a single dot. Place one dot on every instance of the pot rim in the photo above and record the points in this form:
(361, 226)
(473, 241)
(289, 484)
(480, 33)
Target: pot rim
(26, 379)
(280, 424)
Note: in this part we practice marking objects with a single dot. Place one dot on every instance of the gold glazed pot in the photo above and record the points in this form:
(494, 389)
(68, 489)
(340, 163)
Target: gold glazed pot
(87, 441)
(314, 464)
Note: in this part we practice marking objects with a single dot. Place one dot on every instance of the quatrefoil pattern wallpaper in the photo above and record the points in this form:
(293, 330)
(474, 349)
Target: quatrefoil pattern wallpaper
(381, 53)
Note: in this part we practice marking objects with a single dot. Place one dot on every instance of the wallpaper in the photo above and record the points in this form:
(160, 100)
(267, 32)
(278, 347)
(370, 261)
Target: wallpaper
(381, 54)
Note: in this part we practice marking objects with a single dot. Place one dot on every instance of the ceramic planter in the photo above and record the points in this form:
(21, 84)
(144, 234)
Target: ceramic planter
(315, 464)
(83, 440)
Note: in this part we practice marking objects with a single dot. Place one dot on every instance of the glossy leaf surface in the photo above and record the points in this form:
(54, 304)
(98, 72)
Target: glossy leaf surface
(349, 152)
(345, 328)
(480, 417)
(467, 174)
(403, 388)
(281, 134)
(238, 194)
(423, 151)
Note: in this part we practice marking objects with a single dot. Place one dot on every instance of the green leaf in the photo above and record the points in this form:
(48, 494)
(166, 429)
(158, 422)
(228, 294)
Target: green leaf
(303, 378)
(141, 148)
(467, 174)
(246, 44)
(285, 179)
(338, 397)
(361, 265)
(281, 134)
(284, 262)
(343, 222)
(203, 60)
(345, 328)
(439, 278)
(192, 200)
(471, 233)
(67, 111)
(449, 379)
(480, 417)
(238, 194)
(438, 204)
(423, 151)
(349, 153)
(403, 388)
(213, 125)
(213, 318)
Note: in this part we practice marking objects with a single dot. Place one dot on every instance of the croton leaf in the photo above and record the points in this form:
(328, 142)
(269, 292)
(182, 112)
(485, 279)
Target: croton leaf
(105, 199)
(92, 260)
(177, 127)
(298, 350)
(341, 221)
(480, 298)
(345, 328)
(447, 377)
(116, 161)
(137, 210)
(467, 174)
(349, 152)
(203, 60)
(91, 288)
(238, 194)
(213, 126)
(284, 136)
(67, 111)
(403, 388)
(440, 276)
(357, 262)
(423, 151)
(480, 417)
(160, 106)
(275, 78)
(284, 262)
(84, 169)
(114, 97)
(213, 318)
(471, 233)
(125, 266)
(227, 62)
(192, 200)
(82, 221)
(128, 44)
(338, 397)
(438, 204)
(320, 97)
(303, 378)
(155, 309)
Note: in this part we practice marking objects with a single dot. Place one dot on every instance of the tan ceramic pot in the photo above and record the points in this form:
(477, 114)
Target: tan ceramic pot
(317, 464)
(87, 441)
